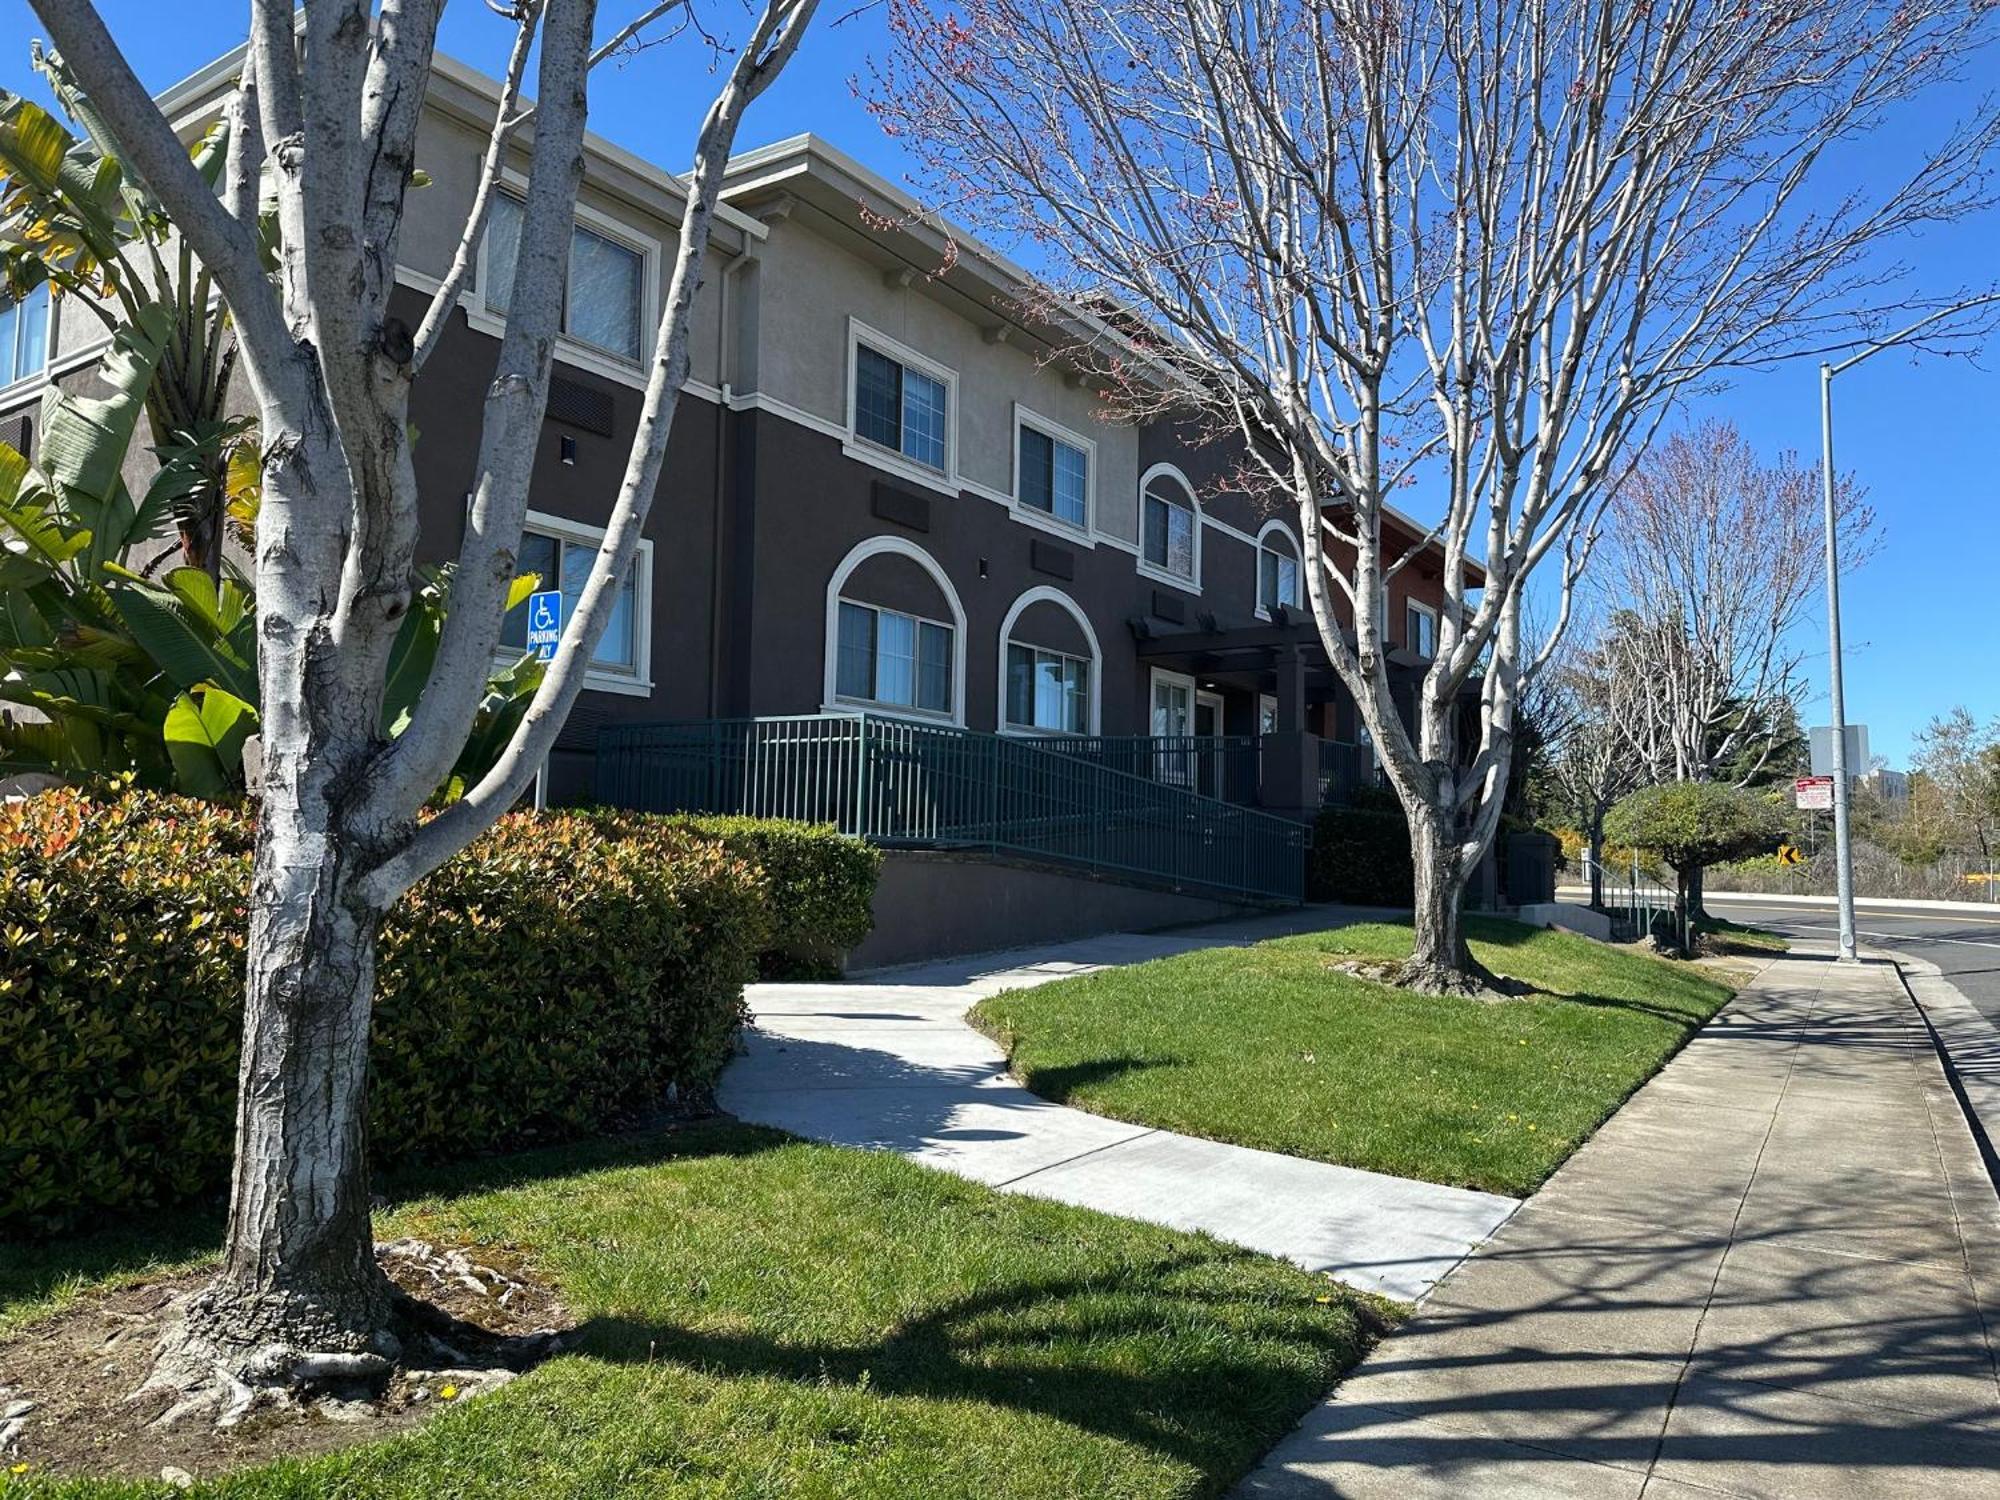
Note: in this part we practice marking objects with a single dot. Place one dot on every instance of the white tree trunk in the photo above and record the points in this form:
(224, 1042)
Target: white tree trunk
(300, 1267)
(1440, 962)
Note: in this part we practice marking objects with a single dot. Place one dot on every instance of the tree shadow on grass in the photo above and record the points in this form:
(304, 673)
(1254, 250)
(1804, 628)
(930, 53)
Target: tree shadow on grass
(1052, 1347)
(145, 1244)
(1065, 1083)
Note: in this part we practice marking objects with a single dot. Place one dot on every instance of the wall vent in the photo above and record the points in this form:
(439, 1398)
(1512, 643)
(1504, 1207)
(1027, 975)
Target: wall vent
(577, 405)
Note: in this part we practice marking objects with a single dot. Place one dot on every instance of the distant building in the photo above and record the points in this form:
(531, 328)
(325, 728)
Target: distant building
(1890, 786)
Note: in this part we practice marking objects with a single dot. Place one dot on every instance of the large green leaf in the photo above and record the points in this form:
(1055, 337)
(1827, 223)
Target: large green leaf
(85, 438)
(204, 735)
(196, 641)
(415, 649)
(509, 691)
(410, 660)
(33, 145)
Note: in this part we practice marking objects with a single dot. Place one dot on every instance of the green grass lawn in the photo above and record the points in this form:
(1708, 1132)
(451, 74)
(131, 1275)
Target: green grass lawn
(764, 1317)
(1735, 937)
(1270, 1047)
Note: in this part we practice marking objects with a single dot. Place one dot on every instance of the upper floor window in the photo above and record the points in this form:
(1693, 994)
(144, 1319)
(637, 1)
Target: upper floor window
(561, 554)
(1168, 525)
(899, 407)
(604, 296)
(1054, 475)
(1420, 632)
(1277, 570)
(24, 336)
(893, 659)
(1047, 690)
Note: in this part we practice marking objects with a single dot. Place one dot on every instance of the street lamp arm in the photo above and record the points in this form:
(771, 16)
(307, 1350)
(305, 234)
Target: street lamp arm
(1831, 370)
(1836, 690)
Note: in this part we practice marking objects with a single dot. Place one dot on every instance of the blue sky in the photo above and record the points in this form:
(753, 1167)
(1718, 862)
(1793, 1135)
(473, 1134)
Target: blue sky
(1922, 622)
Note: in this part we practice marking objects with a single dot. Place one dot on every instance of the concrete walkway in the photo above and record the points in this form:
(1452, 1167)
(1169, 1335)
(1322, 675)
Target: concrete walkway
(889, 1063)
(1775, 1273)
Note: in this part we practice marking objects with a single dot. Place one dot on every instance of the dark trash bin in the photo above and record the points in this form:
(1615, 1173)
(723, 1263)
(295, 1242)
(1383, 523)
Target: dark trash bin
(1531, 868)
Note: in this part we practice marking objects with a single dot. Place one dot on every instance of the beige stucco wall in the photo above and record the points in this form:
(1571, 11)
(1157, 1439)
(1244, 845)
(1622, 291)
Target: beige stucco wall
(449, 150)
(809, 285)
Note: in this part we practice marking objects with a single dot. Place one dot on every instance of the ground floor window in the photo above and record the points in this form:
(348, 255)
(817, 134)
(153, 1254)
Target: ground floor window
(893, 659)
(561, 553)
(1047, 690)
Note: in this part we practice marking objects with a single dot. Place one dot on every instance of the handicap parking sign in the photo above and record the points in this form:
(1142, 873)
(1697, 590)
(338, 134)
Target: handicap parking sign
(545, 618)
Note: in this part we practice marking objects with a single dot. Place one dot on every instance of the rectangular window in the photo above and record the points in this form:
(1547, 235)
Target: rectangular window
(1169, 536)
(886, 657)
(565, 563)
(1277, 579)
(604, 301)
(1047, 690)
(1054, 477)
(898, 408)
(1420, 634)
(24, 336)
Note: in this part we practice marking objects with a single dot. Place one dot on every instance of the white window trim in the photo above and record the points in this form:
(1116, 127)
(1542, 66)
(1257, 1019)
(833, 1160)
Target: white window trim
(1157, 675)
(876, 546)
(1044, 594)
(1154, 677)
(571, 351)
(890, 460)
(1298, 558)
(23, 384)
(1422, 609)
(639, 682)
(1148, 569)
(1081, 533)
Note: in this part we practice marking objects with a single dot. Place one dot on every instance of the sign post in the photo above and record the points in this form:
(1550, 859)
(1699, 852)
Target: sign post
(545, 622)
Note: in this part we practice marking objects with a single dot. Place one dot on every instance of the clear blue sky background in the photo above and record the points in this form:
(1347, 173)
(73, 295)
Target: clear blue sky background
(1923, 624)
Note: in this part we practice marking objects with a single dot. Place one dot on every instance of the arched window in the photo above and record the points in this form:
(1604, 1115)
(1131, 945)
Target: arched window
(1049, 666)
(1169, 524)
(895, 633)
(1277, 568)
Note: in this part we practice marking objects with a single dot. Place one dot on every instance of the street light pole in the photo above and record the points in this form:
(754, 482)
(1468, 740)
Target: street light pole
(1843, 851)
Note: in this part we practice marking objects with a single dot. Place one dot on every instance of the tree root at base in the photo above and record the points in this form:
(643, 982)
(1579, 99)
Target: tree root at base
(202, 1372)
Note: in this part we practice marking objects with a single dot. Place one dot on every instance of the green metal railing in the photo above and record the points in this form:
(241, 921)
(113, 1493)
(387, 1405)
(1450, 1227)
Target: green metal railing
(1215, 765)
(1344, 769)
(899, 783)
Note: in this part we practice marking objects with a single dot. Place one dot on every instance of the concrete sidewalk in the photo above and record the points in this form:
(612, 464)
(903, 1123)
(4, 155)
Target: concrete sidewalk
(891, 1064)
(1776, 1272)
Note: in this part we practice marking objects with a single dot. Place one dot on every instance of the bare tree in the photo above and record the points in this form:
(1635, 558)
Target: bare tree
(1956, 799)
(1580, 699)
(1710, 566)
(325, 119)
(1474, 249)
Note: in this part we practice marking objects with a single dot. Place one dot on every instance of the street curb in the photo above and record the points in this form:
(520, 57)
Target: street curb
(1969, 1047)
(1861, 903)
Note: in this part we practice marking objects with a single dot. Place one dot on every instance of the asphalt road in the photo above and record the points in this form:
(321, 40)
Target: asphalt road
(1965, 946)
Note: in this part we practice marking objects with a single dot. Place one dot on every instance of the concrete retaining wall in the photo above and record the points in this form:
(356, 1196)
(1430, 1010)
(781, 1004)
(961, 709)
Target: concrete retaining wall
(937, 905)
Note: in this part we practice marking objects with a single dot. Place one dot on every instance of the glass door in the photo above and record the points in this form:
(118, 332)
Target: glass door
(1208, 753)
(1173, 722)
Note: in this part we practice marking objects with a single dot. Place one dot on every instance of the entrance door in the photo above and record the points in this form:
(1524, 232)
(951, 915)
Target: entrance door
(1208, 755)
(1173, 722)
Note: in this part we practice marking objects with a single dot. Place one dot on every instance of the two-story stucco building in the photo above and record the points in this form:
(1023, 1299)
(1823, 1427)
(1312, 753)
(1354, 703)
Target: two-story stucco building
(887, 489)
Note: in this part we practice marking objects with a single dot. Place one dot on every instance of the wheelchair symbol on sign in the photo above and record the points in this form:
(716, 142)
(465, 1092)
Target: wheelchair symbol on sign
(545, 612)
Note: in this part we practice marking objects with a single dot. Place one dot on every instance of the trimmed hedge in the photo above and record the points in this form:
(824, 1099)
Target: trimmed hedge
(564, 970)
(822, 889)
(1361, 857)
